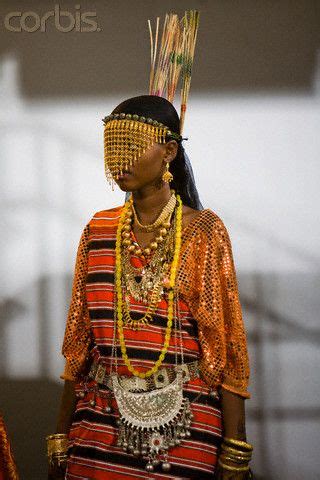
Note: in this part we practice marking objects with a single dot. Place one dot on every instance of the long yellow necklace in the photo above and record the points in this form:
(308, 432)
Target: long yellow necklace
(173, 274)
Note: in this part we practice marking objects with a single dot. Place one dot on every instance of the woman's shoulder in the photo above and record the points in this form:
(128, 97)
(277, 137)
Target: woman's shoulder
(206, 221)
(106, 218)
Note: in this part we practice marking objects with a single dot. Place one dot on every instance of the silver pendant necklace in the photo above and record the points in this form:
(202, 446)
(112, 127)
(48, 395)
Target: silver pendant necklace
(151, 423)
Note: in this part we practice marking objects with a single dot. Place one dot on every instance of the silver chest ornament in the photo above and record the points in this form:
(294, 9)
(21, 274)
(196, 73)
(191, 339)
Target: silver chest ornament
(150, 423)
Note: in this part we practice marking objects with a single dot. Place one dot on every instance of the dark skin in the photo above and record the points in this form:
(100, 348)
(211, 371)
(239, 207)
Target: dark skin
(66, 411)
(150, 194)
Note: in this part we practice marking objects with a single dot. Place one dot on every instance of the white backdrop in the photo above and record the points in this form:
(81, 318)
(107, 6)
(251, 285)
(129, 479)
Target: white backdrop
(256, 162)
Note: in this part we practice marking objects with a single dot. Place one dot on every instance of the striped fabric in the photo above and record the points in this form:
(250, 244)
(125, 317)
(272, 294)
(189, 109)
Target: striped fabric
(94, 453)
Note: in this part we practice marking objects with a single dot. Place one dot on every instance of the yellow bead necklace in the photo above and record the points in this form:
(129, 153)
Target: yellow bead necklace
(119, 307)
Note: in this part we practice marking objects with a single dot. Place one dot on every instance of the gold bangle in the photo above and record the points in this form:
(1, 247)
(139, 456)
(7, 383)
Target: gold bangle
(238, 443)
(235, 459)
(226, 448)
(57, 446)
(56, 436)
(233, 469)
(59, 460)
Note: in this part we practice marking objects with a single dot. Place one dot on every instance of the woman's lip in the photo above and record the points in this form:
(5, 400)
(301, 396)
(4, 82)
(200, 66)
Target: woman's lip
(124, 175)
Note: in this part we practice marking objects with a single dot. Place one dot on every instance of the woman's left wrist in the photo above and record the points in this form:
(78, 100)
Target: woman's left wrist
(235, 455)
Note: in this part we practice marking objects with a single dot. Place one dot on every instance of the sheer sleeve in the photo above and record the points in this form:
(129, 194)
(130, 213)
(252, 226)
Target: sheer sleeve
(77, 332)
(236, 370)
(224, 359)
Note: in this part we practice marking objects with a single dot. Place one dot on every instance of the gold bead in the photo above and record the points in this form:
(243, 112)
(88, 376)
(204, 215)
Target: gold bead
(166, 224)
(138, 252)
(122, 316)
(126, 234)
(131, 248)
(163, 232)
(153, 245)
(166, 282)
(127, 228)
(159, 239)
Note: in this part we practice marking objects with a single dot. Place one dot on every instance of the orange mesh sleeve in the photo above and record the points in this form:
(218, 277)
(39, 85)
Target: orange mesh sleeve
(236, 370)
(67, 373)
(77, 333)
(213, 300)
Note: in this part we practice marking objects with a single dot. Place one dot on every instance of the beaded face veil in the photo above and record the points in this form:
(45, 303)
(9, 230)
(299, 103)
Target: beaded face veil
(127, 137)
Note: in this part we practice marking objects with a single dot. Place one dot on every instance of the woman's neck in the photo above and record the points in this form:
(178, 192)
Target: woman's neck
(150, 201)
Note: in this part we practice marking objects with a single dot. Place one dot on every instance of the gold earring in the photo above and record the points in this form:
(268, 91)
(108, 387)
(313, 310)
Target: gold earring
(167, 177)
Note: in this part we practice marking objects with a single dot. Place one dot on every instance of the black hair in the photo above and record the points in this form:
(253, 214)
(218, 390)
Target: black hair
(160, 109)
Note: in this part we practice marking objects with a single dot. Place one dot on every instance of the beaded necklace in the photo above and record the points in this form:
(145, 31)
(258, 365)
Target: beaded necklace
(119, 307)
(167, 209)
(151, 420)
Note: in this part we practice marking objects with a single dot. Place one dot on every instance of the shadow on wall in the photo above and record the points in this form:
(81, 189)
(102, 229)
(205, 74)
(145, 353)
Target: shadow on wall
(30, 406)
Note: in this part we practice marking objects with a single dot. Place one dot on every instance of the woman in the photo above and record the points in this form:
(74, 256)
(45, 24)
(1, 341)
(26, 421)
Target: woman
(156, 360)
(8, 469)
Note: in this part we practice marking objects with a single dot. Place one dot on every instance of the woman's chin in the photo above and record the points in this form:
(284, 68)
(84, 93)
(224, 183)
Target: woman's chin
(124, 188)
(124, 184)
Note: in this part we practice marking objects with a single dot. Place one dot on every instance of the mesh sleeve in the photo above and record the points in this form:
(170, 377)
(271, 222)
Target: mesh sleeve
(77, 332)
(67, 373)
(217, 309)
(236, 370)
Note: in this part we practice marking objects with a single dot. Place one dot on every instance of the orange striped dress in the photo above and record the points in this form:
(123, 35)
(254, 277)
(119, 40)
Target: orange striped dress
(94, 453)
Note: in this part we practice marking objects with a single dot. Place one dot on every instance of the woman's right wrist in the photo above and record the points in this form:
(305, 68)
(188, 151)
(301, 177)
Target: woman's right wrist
(57, 448)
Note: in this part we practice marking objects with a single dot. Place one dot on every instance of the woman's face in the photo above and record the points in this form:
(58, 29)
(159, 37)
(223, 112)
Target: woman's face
(149, 168)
